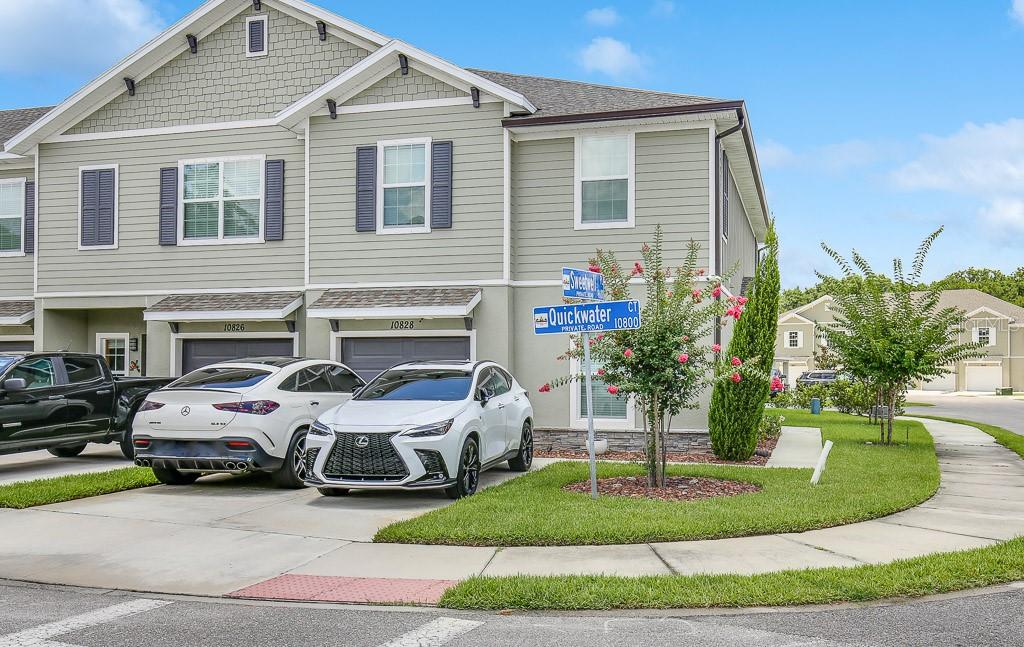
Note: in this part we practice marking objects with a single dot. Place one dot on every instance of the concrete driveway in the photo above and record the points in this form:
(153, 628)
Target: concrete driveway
(1003, 411)
(42, 464)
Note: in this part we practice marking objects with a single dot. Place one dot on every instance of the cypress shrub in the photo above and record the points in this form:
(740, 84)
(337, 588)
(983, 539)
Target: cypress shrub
(736, 409)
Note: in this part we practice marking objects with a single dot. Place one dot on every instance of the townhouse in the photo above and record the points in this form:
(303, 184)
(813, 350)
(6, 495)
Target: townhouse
(266, 177)
(998, 325)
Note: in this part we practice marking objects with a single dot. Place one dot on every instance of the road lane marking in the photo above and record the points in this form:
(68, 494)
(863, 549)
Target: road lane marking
(434, 634)
(40, 636)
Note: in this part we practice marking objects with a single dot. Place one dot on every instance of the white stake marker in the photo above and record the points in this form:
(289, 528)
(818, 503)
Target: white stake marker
(435, 633)
(39, 636)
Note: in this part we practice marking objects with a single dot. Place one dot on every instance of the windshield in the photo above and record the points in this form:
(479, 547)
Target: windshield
(220, 378)
(419, 384)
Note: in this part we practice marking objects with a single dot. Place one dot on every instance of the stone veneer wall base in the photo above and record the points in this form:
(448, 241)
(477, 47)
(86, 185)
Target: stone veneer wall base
(548, 439)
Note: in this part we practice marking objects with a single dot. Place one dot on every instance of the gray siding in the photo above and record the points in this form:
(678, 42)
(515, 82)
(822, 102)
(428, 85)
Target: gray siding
(740, 251)
(16, 270)
(414, 86)
(140, 262)
(471, 249)
(219, 83)
(671, 190)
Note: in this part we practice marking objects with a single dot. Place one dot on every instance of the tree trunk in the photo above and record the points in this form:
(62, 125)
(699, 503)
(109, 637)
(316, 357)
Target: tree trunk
(892, 413)
(655, 467)
(879, 398)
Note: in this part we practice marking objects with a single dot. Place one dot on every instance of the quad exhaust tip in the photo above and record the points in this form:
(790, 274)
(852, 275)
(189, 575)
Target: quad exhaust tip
(142, 462)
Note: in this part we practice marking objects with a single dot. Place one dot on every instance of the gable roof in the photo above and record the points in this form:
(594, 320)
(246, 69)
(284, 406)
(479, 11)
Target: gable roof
(13, 122)
(969, 300)
(559, 98)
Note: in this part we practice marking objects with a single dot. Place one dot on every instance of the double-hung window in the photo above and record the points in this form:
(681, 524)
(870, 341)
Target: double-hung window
(12, 217)
(985, 336)
(610, 411)
(222, 201)
(113, 347)
(405, 192)
(604, 181)
(793, 339)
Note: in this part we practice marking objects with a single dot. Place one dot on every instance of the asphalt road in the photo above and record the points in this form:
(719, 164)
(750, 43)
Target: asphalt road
(43, 615)
(1003, 411)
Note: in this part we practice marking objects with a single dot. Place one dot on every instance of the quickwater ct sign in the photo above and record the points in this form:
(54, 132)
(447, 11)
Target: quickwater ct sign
(581, 284)
(586, 317)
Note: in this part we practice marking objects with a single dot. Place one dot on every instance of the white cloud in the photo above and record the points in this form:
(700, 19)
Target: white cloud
(1017, 11)
(833, 158)
(42, 36)
(1005, 216)
(984, 160)
(613, 58)
(604, 17)
(773, 154)
(667, 7)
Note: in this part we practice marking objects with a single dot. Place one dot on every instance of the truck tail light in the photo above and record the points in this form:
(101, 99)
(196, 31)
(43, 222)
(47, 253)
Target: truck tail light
(257, 407)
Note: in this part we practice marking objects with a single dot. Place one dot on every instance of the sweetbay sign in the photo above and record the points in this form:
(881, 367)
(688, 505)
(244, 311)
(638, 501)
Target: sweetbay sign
(597, 315)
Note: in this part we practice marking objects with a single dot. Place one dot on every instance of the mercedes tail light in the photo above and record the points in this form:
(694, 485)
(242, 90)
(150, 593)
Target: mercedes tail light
(149, 405)
(257, 407)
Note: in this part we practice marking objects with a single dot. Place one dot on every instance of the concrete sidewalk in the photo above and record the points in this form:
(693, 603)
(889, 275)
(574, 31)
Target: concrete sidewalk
(215, 540)
(797, 447)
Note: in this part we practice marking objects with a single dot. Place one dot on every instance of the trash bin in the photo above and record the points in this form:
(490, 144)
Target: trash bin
(815, 406)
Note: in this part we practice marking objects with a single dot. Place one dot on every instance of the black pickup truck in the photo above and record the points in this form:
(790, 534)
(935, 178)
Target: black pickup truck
(63, 401)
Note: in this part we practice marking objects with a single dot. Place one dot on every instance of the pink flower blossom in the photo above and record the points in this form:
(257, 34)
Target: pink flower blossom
(700, 272)
(736, 378)
(717, 292)
(777, 384)
(686, 338)
(683, 358)
(600, 371)
(593, 341)
(600, 337)
(697, 294)
(734, 312)
(742, 300)
(614, 390)
(545, 388)
(627, 353)
(646, 247)
(716, 348)
(732, 299)
(736, 361)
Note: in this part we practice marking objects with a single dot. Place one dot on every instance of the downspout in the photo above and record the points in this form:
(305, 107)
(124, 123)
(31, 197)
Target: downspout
(736, 128)
(719, 216)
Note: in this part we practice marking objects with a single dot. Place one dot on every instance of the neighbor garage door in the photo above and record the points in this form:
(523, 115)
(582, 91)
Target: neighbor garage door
(368, 356)
(944, 383)
(15, 345)
(983, 377)
(196, 353)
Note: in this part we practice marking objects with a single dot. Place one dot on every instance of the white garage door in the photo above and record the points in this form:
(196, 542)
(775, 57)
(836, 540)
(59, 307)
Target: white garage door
(984, 377)
(944, 383)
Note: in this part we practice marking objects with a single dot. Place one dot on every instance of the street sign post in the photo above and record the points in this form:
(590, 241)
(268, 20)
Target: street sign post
(586, 318)
(582, 284)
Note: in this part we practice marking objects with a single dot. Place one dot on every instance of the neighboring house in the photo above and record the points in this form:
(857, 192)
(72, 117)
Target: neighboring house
(997, 324)
(269, 178)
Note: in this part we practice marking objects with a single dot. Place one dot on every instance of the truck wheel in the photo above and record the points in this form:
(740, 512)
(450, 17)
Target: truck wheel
(171, 476)
(67, 452)
(292, 473)
(127, 448)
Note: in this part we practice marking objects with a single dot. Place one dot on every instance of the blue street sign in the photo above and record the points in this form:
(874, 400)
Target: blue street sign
(597, 316)
(581, 284)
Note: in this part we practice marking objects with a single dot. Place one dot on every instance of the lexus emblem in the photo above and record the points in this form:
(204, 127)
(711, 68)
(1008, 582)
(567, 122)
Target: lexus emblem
(362, 441)
(185, 411)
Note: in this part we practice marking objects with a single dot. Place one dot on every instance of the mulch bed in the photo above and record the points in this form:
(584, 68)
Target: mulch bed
(677, 488)
(766, 446)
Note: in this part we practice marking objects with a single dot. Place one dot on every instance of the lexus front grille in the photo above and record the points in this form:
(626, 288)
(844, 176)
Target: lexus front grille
(365, 457)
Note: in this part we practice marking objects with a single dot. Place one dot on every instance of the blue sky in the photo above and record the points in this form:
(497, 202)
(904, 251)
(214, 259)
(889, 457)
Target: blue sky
(876, 122)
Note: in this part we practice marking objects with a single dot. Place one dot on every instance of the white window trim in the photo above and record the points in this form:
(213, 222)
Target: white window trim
(117, 184)
(266, 35)
(976, 335)
(20, 181)
(799, 338)
(576, 418)
(578, 180)
(219, 240)
(426, 142)
(103, 336)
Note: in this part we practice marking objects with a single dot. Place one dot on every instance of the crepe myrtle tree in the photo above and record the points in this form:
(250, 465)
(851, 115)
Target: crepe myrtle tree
(890, 334)
(665, 364)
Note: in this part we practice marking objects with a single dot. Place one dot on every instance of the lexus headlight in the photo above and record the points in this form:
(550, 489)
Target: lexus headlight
(436, 429)
(320, 429)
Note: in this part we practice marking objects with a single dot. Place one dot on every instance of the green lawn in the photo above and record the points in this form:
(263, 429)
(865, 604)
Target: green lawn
(861, 482)
(918, 404)
(77, 486)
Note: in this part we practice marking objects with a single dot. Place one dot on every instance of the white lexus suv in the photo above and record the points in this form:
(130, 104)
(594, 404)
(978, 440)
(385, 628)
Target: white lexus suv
(423, 425)
(247, 415)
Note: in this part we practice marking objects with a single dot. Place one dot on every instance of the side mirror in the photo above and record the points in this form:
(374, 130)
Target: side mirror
(483, 395)
(15, 384)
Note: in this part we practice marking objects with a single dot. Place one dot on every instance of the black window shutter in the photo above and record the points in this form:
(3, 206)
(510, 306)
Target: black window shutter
(273, 207)
(30, 217)
(256, 32)
(441, 185)
(105, 207)
(169, 206)
(366, 188)
(90, 207)
(725, 196)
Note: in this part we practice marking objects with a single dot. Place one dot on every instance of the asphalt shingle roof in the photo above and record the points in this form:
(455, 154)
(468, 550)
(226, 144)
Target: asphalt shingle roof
(13, 122)
(227, 302)
(396, 298)
(16, 308)
(558, 97)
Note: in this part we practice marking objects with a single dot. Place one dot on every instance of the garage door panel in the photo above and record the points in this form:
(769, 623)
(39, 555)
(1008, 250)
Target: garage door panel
(983, 377)
(197, 353)
(368, 356)
(16, 346)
